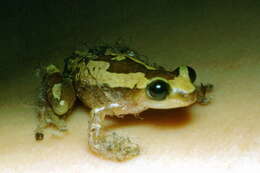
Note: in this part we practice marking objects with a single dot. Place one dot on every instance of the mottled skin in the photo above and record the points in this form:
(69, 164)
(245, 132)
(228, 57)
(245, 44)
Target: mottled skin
(118, 90)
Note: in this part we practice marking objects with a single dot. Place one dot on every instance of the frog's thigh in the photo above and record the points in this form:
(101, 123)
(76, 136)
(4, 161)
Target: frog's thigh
(62, 97)
(111, 146)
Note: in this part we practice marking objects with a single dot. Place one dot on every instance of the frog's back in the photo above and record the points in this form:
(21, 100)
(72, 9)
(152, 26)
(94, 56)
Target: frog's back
(118, 62)
(109, 77)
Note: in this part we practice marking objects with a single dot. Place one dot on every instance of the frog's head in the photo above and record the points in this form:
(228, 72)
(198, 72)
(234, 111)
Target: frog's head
(152, 87)
(179, 91)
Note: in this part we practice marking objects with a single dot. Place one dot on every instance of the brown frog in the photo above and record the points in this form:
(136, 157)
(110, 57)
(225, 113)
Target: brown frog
(112, 81)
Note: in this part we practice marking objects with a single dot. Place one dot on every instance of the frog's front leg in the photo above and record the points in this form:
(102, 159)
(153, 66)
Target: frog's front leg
(202, 91)
(57, 98)
(111, 146)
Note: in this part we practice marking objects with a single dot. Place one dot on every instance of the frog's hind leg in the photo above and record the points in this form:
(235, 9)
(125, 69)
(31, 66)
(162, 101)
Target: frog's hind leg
(46, 118)
(56, 99)
(111, 146)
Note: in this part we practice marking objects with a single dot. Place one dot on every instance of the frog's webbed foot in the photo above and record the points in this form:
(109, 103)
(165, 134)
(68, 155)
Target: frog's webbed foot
(111, 146)
(202, 91)
(115, 147)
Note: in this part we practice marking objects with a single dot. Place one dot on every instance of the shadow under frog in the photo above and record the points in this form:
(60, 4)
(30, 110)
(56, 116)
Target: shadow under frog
(162, 119)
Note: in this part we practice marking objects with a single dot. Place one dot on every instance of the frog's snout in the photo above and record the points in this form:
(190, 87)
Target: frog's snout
(183, 95)
(182, 92)
(186, 92)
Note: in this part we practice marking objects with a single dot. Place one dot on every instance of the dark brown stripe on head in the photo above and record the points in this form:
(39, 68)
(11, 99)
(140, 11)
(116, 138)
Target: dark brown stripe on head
(129, 66)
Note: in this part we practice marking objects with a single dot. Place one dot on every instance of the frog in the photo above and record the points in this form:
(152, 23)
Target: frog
(112, 81)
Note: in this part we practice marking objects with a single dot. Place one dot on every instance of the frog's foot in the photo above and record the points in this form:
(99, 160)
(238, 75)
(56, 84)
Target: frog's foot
(47, 118)
(202, 91)
(114, 147)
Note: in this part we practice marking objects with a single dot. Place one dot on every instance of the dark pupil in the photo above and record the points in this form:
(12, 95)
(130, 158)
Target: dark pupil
(158, 90)
(192, 74)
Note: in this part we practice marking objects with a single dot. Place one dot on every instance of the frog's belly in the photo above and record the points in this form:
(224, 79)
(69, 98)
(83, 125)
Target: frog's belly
(92, 96)
(116, 101)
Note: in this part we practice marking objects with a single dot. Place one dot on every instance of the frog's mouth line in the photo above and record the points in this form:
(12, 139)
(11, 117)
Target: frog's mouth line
(172, 102)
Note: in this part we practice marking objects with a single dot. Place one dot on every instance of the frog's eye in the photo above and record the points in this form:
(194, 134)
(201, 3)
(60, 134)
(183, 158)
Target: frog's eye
(158, 89)
(191, 72)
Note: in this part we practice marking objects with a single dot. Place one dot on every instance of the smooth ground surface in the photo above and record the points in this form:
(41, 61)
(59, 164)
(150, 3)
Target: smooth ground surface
(220, 40)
